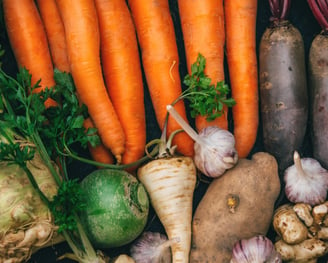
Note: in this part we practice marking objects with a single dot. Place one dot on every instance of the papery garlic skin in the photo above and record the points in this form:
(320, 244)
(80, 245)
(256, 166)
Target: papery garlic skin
(308, 186)
(257, 249)
(215, 151)
(151, 247)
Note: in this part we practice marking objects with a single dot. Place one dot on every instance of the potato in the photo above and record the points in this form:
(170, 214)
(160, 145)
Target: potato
(237, 205)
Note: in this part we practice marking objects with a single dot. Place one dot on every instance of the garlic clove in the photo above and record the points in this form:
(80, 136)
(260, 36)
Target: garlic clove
(257, 249)
(151, 247)
(306, 181)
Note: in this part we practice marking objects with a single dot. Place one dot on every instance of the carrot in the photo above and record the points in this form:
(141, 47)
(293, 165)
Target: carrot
(240, 22)
(202, 23)
(83, 46)
(170, 183)
(98, 153)
(55, 33)
(122, 71)
(28, 41)
(160, 59)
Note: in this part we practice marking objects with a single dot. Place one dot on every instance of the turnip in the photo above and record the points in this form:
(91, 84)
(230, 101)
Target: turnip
(116, 209)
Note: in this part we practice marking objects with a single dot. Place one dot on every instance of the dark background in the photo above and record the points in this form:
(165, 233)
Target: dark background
(300, 15)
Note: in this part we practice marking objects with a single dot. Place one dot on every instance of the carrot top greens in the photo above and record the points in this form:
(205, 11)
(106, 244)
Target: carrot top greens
(205, 99)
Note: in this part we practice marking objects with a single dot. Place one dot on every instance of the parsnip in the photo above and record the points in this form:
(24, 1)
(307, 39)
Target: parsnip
(170, 183)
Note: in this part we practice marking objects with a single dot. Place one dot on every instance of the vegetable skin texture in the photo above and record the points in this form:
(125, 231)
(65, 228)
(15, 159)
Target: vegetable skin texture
(318, 86)
(307, 251)
(55, 32)
(202, 23)
(283, 91)
(83, 45)
(288, 225)
(29, 43)
(122, 72)
(160, 60)
(117, 207)
(240, 24)
(235, 206)
(170, 183)
(26, 224)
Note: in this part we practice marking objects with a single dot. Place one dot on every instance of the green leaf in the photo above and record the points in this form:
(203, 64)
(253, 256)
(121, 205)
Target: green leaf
(67, 203)
(205, 98)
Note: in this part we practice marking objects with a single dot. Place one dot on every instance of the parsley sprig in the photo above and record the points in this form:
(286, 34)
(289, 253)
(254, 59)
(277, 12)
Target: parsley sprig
(205, 99)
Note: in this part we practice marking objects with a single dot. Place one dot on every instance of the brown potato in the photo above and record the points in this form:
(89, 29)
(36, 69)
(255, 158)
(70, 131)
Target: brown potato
(238, 205)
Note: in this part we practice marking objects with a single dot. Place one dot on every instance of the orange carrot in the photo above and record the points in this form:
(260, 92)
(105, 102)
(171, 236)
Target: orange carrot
(98, 153)
(202, 23)
(122, 71)
(55, 33)
(157, 39)
(240, 22)
(28, 41)
(83, 46)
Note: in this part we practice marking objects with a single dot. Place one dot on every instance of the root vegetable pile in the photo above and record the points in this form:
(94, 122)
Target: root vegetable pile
(85, 71)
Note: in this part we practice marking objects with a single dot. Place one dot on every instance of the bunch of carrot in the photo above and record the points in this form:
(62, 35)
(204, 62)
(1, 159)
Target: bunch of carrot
(70, 35)
(210, 26)
(97, 42)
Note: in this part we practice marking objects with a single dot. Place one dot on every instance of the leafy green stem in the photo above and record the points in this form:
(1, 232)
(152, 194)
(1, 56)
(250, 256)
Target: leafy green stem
(34, 183)
(45, 157)
(145, 158)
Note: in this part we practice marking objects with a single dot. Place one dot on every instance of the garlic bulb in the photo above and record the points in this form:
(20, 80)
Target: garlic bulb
(257, 249)
(214, 147)
(306, 181)
(215, 151)
(151, 247)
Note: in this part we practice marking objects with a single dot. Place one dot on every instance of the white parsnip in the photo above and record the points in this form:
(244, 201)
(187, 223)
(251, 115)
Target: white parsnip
(170, 183)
